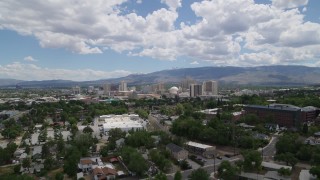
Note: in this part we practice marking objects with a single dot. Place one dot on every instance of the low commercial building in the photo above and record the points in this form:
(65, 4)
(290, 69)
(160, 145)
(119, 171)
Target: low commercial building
(124, 122)
(201, 149)
(177, 152)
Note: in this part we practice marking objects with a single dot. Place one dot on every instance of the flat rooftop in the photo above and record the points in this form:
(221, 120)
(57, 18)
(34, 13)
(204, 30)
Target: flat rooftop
(195, 144)
(128, 124)
(284, 108)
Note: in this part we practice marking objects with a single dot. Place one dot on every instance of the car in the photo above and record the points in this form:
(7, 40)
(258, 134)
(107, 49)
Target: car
(219, 157)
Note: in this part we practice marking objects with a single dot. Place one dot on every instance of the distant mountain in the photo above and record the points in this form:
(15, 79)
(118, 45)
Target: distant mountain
(262, 75)
(8, 82)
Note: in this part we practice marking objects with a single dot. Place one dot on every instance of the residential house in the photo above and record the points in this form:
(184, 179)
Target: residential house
(36, 152)
(85, 164)
(177, 152)
(104, 173)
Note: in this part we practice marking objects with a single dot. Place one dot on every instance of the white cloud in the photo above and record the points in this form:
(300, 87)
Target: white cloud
(232, 32)
(30, 59)
(289, 3)
(139, 1)
(33, 72)
(304, 9)
(172, 4)
(194, 63)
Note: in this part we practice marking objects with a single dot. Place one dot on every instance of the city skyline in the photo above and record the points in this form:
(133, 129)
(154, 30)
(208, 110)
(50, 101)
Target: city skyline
(77, 40)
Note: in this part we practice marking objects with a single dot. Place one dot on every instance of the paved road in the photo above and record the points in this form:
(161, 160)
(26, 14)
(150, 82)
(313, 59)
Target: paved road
(269, 151)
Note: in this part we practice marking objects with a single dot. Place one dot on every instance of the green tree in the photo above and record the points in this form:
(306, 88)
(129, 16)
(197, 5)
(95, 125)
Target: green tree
(284, 172)
(177, 176)
(179, 109)
(199, 174)
(252, 160)
(59, 176)
(26, 163)
(288, 157)
(131, 157)
(88, 130)
(11, 129)
(226, 170)
(72, 158)
(315, 171)
(17, 168)
(142, 113)
(115, 134)
(160, 176)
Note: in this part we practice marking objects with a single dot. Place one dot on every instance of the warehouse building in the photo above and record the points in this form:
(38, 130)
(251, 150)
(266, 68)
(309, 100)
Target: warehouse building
(124, 122)
(204, 150)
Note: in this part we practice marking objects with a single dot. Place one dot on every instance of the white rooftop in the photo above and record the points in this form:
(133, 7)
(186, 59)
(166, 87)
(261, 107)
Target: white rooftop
(274, 165)
(122, 124)
(194, 144)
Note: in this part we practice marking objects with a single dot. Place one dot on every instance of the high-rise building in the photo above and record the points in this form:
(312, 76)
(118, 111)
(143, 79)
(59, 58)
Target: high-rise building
(123, 86)
(76, 90)
(210, 88)
(195, 90)
(185, 83)
(107, 88)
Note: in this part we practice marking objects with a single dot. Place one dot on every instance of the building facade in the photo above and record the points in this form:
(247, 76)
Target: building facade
(283, 114)
(195, 90)
(123, 86)
(177, 152)
(201, 149)
(210, 88)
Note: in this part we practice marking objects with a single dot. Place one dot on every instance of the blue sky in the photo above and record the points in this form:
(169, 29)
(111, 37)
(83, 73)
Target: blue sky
(99, 39)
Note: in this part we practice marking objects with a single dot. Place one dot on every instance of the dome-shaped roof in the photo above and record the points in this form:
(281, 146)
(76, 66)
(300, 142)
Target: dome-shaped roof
(173, 90)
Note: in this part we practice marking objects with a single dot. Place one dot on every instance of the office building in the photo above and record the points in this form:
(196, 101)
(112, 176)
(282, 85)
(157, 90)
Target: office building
(123, 86)
(284, 114)
(106, 89)
(195, 90)
(185, 83)
(210, 88)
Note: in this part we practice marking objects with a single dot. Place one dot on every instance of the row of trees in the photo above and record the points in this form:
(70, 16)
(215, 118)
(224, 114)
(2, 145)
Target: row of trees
(291, 149)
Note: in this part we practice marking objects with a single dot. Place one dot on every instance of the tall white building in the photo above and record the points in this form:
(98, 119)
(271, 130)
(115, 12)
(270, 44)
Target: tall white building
(195, 90)
(123, 86)
(210, 88)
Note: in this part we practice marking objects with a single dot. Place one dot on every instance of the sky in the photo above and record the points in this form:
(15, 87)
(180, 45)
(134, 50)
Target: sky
(100, 39)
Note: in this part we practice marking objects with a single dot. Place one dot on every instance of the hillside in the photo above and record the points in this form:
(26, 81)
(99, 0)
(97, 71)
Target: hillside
(262, 75)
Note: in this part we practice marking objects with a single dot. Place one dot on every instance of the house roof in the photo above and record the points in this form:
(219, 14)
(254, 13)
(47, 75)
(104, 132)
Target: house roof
(174, 148)
(109, 171)
(104, 171)
(97, 171)
(114, 159)
(86, 161)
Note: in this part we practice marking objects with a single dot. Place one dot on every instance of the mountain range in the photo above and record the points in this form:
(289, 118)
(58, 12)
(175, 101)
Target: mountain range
(261, 75)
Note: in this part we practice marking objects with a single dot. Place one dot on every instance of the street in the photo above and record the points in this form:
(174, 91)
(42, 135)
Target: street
(269, 151)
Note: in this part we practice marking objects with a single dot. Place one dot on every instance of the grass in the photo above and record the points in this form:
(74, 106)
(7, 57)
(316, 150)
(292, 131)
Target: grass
(6, 170)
